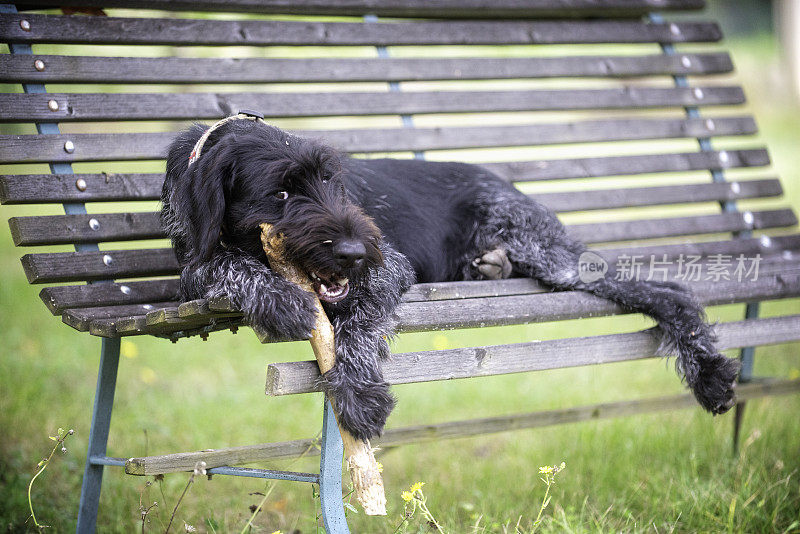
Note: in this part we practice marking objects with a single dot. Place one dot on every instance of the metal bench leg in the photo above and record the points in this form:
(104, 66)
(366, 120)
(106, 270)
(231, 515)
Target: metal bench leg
(747, 357)
(330, 474)
(98, 436)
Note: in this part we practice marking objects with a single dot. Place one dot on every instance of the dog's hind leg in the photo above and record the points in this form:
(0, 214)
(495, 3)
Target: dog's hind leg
(539, 247)
(362, 323)
(493, 265)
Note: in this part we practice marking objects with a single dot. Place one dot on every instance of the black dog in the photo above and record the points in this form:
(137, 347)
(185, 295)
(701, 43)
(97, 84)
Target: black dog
(364, 230)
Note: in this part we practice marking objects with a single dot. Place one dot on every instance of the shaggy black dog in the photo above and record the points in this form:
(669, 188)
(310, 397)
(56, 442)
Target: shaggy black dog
(364, 231)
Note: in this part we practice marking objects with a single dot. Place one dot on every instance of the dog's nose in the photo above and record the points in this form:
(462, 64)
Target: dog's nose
(349, 253)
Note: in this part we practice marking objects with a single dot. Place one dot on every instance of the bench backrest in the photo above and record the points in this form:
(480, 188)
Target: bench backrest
(436, 80)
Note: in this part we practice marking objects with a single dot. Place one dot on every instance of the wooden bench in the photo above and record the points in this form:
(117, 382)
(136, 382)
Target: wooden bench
(634, 99)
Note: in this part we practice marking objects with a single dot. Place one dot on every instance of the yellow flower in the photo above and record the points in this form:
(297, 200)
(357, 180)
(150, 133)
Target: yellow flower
(407, 496)
(416, 487)
(441, 342)
(545, 469)
(147, 375)
(380, 467)
(128, 349)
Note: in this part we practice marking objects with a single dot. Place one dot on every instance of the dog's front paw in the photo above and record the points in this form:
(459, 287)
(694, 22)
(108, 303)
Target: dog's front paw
(289, 317)
(362, 407)
(715, 383)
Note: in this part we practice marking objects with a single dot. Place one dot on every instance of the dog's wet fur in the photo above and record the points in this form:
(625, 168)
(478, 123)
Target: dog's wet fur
(365, 231)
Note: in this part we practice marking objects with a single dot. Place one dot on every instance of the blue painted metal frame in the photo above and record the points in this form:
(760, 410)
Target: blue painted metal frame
(747, 354)
(98, 437)
(330, 474)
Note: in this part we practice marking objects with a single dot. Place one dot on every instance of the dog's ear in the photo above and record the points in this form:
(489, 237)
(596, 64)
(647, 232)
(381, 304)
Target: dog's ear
(199, 198)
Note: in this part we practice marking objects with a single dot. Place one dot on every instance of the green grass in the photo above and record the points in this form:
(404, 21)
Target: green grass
(671, 472)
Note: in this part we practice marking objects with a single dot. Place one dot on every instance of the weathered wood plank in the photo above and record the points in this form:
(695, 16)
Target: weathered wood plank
(185, 461)
(79, 318)
(59, 298)
(93, 228)
(654, 196)
(76, 107)
(763, 245)
(559, 306)
(58, 188)
(143, 146)
(558, 169)
(204, 32)
(480, 9)
(449, 364)
(160, 70)
(166, 323)
(103, 265)
(677, 226)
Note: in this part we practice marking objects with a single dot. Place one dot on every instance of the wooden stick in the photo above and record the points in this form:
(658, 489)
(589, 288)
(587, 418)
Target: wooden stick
(361, 463)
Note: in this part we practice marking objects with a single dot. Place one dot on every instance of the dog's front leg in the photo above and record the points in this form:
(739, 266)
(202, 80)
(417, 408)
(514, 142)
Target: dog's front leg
(269, 302)
(362, 323)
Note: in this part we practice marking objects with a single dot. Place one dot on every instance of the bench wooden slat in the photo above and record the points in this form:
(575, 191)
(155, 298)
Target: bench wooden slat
(94, 228)
(60, 298)
(152, 31)
(76, 266)
(677, 226)
(143, 146)
(654, 196)
(185, 461)
(761, 245)
(411, 8)
(538, 306)
(58, 188)
(75, 107)
(161, 70)
(79, 318)
(559, 306)
(559, 169)
(90, 228)
(433, 365)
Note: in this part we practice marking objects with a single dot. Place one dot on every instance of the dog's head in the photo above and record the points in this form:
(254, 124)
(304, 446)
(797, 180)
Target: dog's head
(250, 173)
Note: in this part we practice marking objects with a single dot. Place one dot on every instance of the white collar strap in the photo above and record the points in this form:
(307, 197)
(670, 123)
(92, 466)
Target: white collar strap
(242, 114)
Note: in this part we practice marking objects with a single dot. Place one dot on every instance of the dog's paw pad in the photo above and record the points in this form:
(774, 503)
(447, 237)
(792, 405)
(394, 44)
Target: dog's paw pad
(494, 265)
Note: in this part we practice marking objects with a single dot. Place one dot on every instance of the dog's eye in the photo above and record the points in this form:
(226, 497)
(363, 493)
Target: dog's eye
(281, 195)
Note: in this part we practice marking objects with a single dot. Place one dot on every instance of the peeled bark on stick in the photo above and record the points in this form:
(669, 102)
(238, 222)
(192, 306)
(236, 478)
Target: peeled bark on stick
(359, 455)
